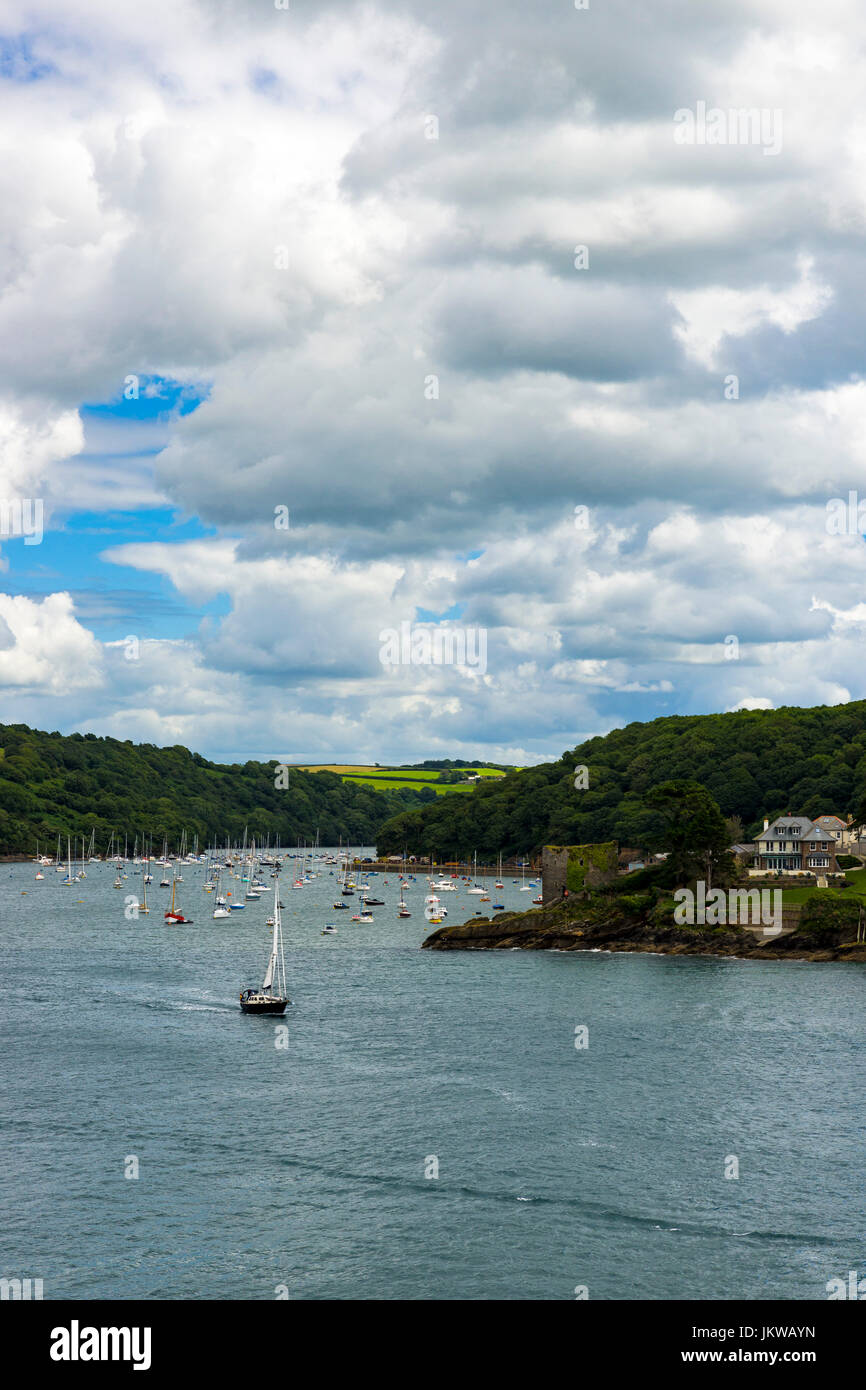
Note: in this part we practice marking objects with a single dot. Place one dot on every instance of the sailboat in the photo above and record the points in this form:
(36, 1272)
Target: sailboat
(239, 904)
(221, 909)
(271, 998)
(477, 889)
(143, 909)
(174, 914)
(69, 876)
(404, 911)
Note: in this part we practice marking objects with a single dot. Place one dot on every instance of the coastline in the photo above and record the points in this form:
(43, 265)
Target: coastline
(582, 927)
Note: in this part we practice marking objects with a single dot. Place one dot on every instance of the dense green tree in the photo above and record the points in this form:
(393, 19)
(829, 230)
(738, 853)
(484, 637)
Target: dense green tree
(692, 830)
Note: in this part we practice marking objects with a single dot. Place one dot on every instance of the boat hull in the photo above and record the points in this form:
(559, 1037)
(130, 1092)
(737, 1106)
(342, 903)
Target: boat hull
(264, 1006)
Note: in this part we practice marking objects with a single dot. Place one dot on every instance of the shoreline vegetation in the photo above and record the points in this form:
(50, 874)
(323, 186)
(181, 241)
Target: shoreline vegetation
(614, 925)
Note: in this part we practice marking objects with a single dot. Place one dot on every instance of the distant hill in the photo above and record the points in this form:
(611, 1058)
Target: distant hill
(73, 784)
(755, 763)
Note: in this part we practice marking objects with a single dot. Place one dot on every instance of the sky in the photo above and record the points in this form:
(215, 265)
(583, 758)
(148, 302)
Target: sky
(325, 323)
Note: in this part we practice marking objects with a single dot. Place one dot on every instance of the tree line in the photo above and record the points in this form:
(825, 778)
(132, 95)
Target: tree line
(752, 763)
(71, 785)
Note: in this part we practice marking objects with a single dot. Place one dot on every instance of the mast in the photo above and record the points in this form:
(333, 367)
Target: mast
(276, 963)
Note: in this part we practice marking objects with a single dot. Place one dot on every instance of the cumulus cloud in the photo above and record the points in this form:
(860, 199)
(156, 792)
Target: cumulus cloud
(43, 648)
(353, 229)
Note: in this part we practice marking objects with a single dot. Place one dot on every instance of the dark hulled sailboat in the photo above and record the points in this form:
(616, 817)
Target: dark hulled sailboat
(272, 997)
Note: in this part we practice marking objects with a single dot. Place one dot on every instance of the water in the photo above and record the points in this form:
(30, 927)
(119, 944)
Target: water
(305, 1167)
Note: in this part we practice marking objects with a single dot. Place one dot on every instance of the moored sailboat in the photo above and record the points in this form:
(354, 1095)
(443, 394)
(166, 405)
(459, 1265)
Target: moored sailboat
(174, 914)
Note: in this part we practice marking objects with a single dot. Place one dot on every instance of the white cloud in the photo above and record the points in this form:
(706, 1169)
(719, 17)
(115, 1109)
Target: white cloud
(45, 648)
(147, 185)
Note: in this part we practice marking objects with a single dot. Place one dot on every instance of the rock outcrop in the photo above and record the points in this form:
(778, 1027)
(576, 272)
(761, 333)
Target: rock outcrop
(582, 926)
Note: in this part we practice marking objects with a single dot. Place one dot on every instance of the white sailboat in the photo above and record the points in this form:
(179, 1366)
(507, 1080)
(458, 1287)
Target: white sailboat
(476, 888)
(221, 908)
(69, 876)
(272, 997)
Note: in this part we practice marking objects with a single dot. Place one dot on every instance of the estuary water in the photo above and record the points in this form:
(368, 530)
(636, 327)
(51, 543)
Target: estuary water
(430, 1130)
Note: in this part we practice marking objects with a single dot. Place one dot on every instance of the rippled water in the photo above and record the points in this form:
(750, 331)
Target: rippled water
(304, 1166)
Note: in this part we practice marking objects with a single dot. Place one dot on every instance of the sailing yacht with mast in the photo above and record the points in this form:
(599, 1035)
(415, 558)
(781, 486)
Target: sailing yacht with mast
(272, 997)
(174, 915)
(221, 908)
(69, 875)
(142, 908)
(477, 888)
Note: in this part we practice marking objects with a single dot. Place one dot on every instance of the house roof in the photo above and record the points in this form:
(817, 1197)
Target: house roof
(781, 829)
(830, 822)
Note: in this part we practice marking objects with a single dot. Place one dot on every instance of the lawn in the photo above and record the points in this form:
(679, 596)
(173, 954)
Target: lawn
(856, 878)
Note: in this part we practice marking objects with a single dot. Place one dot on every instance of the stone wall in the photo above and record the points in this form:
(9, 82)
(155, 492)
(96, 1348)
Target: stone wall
(576, 867)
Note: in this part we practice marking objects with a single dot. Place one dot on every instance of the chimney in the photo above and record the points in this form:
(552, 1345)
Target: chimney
(766, 823)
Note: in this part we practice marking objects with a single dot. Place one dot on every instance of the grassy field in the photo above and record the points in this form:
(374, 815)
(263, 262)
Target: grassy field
(856, 878)
(394, 784)
(396, 778)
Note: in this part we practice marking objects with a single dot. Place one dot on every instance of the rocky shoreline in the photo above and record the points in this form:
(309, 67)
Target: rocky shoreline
(574, 926)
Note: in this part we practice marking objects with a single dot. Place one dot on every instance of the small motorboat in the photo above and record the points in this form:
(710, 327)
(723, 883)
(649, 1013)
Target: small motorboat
(329, 931)
(341, 907)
